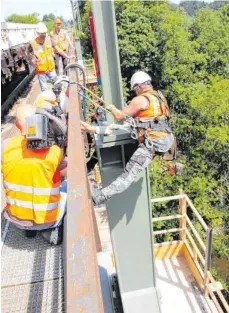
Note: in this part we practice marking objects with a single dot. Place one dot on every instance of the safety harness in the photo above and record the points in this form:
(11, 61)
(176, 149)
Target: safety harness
(156, 124)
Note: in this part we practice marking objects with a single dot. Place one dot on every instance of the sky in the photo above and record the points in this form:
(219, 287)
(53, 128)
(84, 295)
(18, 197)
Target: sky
(57, 7)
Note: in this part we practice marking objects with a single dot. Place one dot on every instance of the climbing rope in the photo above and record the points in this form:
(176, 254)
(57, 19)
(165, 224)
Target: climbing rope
(93, 102)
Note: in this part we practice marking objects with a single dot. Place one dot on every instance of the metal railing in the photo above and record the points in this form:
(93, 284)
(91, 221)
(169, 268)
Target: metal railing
(199, 251)
(82, 283)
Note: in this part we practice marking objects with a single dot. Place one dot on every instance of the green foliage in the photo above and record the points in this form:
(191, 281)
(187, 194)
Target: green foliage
(49, 25)
(211, 33)
(48, 20)
(192, 7)
(48, 17)
(25, 19)
(85, 8)
(188, 60)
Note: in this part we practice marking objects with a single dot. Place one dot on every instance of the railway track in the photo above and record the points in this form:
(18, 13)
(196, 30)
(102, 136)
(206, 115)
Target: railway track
(16, 93)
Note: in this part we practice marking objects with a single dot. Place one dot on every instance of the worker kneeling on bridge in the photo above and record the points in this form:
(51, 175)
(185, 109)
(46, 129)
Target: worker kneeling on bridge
(148, 116)
(31, 165)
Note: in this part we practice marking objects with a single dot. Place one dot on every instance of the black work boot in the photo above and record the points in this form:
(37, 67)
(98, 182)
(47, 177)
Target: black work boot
(98, 197)
(30, 233)
(54, 236)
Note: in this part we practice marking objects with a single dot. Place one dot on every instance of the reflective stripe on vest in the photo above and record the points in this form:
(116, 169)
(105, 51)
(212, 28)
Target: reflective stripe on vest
(44, 62)
(60, 39)
(31, 181)
(32, 206)
(32, 190)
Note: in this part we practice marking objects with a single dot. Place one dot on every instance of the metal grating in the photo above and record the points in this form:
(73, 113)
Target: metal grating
(44, 297)
(26, 260)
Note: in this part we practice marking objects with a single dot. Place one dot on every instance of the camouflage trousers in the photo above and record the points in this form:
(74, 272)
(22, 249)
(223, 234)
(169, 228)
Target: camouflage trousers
(141, 158)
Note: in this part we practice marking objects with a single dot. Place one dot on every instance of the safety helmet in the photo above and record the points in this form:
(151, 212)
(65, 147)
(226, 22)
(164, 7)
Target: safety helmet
(139, 78)
(41, 28)
(57, 21)
(46, 100)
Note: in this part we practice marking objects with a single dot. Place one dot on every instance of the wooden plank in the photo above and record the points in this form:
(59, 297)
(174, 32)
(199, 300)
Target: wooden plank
(167, 243)
(195, 247)
(203, 246)
(166, 218)
(167, 198)
(168, 250)
(194, 267)
(219, 293)
(202, 222)
(182, 210)
(171, 230)
(214, 299)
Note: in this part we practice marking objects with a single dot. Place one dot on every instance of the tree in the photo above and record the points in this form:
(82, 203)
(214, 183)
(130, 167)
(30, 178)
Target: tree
(48, 17)
(25, 19)
(189, 61)
(211, 34)
(191, 7)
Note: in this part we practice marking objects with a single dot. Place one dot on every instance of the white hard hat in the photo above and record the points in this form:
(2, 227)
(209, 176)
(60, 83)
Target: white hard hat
(41, 28)
(46, 99)
(139, 78)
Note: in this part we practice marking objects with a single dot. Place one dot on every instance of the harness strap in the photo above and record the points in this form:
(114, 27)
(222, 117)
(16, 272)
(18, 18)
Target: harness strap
(156, 124)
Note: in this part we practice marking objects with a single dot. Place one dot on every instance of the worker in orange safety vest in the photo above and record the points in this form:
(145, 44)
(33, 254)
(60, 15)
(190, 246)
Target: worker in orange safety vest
(147, 114)
(62, 40)
(42, 47)
(35, 196)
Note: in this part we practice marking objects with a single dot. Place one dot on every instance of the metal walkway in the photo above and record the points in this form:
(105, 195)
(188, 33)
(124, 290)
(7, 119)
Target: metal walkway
(32, 270)
(32, 274)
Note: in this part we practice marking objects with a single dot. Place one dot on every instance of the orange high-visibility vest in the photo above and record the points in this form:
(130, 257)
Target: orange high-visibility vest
(31, 181)
(45, 62)
(60, 39)
(155, 109)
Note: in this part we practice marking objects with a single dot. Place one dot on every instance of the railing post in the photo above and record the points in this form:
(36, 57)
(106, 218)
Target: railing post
(207, 258)
(195, 256)
(182, 211)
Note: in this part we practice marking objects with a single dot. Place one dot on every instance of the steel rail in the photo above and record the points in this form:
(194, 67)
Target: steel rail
(12, 97)
(82, 284)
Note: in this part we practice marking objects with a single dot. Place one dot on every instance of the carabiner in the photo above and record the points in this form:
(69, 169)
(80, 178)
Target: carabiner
(134, 134)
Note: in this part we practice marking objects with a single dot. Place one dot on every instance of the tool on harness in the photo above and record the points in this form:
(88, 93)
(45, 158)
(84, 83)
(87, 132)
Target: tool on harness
(148, 143)
(158, 124)
(44, 129)
(133, 127)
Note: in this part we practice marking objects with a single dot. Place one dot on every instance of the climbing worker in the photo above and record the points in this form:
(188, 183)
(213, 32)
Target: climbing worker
(42, 47)
(148, 117)
(62, 40)
(35, 195)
